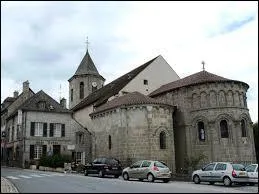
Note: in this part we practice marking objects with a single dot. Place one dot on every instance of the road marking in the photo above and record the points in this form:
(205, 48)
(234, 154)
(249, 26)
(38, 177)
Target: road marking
(59, 174)
(27, 177)
(47, 174)
(35, 175)
(12, 177)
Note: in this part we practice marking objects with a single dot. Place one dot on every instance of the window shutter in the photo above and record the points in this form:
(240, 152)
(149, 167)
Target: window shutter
(32, 128)
(63, 130)
(44, 129)
(51, 129)
(44, 150)
(31, 151)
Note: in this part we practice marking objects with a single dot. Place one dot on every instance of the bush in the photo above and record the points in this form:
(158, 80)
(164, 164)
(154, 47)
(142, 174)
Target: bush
(54, 161)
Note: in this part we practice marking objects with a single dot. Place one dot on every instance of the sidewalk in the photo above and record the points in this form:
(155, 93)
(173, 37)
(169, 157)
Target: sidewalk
(7, 186)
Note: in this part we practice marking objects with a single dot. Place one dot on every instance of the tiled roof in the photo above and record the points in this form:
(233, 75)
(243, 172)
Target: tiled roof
(86, 67)
(197, 78)
(31, 104)
(103, 94)
(134, 98)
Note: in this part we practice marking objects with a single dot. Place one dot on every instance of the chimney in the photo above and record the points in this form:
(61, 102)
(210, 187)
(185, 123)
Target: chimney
(15, 94)
(63, 103)
(26, 86)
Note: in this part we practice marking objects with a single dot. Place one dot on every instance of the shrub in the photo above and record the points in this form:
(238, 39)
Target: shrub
(54, 161)
(192, 162)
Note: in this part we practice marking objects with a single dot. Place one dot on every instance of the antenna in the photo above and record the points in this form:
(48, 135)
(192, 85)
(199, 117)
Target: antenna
(203, 63)
(87, 43)
(59, 92)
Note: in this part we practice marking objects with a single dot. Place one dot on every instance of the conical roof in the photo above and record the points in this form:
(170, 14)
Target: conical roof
(194, 79)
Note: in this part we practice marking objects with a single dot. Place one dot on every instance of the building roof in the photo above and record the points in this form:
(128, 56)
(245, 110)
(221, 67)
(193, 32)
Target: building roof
(86, 67)
(31, 104)
(133, 98)
(194, 79)
(103, 94)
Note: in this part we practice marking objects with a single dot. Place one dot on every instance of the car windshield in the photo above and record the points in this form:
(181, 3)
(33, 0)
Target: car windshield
(238, 167)
(112, 161)
(160, 165)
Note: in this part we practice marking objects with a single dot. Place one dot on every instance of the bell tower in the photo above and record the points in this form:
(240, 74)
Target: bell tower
(85, 80)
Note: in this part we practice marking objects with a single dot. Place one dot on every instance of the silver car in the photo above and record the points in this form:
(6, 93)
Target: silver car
(147, 169)
(225, 172)
(252, 171)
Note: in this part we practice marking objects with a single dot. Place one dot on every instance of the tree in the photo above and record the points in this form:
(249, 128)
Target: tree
(255, 130)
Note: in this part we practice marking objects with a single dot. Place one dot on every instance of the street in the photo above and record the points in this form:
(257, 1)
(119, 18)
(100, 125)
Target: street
(34, 181)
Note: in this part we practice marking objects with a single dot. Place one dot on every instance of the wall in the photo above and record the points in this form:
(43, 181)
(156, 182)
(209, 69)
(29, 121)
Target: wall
(152, 73)
(135, 134)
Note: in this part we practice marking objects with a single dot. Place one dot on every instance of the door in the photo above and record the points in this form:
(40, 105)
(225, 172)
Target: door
(206, 173)
(134, 169)
(144, 169)
(218, 172)
(252, 171)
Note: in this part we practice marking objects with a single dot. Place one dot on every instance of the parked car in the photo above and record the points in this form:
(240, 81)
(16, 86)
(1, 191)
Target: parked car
(147, 169)
(252, 171)
(225, 172)
(104, 166)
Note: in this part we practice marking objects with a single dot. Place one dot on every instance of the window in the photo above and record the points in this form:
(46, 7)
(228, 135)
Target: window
(209, 167)
(145, 82)
(160, 165)
(201, 131)
(221, 166)
(78, 157)
(37, 152)
(243, 128)
(56, 149)
(38, 129)
(250, 168)
(41, 104)
(56, 130)
(162, 140)
(94, 88)
(146, 164)
(81, 91)
(136, 164)
(13, 133)
(110, 142)
(71, 95)
(79, 138)
(224, 129)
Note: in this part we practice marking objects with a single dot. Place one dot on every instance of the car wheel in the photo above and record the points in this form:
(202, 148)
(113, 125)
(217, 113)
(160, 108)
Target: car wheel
(196, 179)
(86, 172)
(100, 174)
(211, 183)
(227, 182)
(166, 180)
(125, 176)
(150, 177)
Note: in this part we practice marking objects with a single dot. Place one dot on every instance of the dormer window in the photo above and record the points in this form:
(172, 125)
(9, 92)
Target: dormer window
(81, 90)
(145, 82)
(41, 104)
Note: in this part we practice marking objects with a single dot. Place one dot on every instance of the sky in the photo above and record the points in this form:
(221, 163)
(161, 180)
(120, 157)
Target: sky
(44, 41)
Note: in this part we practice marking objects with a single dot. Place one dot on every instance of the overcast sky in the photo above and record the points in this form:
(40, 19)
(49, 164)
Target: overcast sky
(44, 42)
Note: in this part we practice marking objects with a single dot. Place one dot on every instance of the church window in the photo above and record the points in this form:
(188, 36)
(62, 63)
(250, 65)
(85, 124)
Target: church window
(110, 142)
(145, 82)
(224, 129)
(162, 140)
(71, 95)
(81, 90)
(201, 131)
(243, 128)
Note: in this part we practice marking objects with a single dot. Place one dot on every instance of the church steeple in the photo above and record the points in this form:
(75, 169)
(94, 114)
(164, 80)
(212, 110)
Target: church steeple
(85, 80)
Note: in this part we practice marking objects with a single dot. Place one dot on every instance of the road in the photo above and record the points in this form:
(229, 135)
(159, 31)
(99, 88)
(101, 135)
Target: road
(33, 181)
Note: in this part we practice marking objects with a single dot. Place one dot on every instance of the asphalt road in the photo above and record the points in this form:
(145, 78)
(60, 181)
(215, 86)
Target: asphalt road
(32, 181)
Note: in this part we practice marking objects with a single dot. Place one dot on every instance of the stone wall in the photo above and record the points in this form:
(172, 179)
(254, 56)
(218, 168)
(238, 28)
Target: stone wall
(211, 103)
(134, 134)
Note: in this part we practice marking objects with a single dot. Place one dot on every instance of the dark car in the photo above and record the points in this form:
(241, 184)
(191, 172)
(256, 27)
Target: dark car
(104, 166)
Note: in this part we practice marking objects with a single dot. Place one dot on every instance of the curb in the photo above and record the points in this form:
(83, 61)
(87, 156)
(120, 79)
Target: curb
(7, 186)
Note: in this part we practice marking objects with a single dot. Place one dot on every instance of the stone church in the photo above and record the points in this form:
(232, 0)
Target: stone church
(152, 113)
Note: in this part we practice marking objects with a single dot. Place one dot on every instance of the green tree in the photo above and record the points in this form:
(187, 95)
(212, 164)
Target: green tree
(255, 130)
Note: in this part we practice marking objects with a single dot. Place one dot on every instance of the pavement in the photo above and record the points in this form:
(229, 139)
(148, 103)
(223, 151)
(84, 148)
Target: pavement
(7, 186)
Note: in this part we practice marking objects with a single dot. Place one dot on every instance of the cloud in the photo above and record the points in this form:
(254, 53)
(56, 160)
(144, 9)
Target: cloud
(45, 41)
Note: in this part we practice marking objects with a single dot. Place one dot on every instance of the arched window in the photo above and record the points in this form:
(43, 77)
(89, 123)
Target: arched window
(243, 128)
(224, 129)
(110, 142)
(201, 131)
(162, 140)
(81, 90)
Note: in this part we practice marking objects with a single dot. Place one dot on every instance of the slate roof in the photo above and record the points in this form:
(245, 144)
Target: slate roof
(134, 98)
(194, 79)
(31, 104)
(103, 94)
(86, 67)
